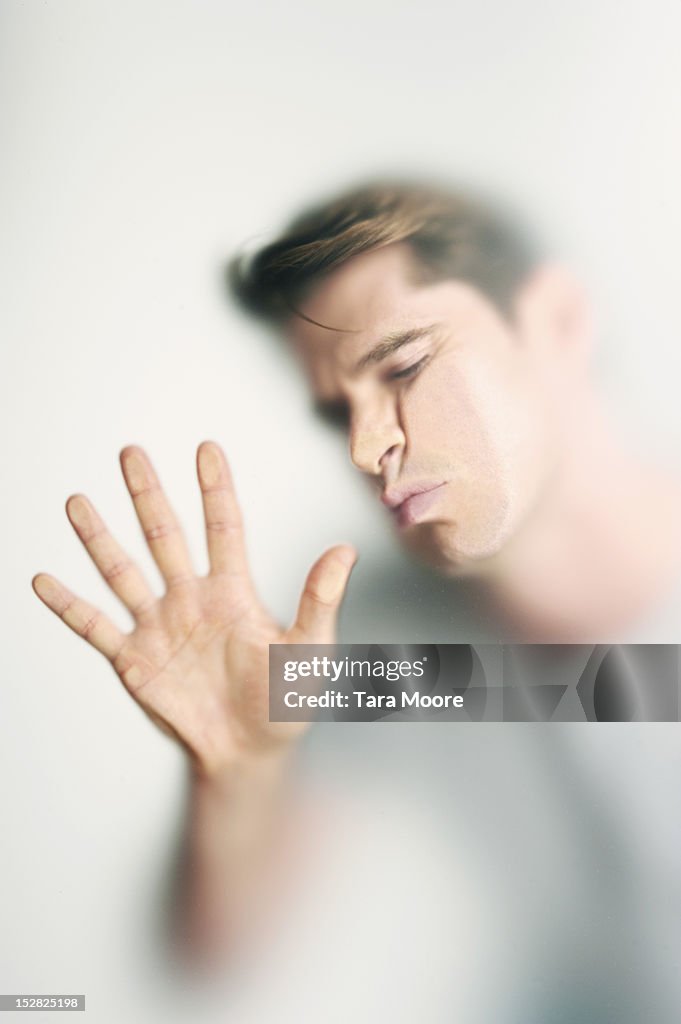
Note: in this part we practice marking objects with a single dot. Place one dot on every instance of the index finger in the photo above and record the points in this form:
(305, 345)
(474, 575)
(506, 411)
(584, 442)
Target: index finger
(224, 526)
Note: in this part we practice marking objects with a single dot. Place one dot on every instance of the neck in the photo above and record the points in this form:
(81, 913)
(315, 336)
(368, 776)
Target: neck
(600, 548)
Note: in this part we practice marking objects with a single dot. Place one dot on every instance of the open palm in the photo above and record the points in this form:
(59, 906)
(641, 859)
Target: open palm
(197, 658)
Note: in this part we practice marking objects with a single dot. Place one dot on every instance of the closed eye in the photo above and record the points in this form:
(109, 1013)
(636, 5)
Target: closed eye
(408, 371)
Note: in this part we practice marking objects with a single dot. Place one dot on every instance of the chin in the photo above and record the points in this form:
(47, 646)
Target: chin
(452, 549)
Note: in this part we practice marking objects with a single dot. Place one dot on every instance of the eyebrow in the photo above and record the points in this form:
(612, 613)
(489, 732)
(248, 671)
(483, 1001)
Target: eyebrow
(392, 342)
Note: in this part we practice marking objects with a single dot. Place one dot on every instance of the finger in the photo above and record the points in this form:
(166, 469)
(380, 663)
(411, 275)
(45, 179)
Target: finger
(83, 618)
(157, 519)
(122, 575)
(224, 526)
(323, 594)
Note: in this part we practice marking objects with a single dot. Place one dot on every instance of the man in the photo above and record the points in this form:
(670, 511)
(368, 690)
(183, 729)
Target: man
(459, 362)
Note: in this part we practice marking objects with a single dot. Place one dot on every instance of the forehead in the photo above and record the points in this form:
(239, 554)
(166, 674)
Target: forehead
(364, 291)
(371, 296)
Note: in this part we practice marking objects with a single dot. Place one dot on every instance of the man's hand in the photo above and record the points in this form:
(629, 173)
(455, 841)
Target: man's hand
(197, 659)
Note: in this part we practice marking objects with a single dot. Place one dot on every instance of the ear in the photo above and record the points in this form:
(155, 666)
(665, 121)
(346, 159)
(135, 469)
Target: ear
(552, 311)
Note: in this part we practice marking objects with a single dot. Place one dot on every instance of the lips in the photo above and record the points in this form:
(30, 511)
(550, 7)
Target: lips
(408, 505)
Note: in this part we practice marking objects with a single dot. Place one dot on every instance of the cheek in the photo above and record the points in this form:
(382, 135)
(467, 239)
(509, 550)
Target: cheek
(475, 425)
(456, 435)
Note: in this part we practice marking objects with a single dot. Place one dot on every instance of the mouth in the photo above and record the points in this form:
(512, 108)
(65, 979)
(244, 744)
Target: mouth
(409, 506)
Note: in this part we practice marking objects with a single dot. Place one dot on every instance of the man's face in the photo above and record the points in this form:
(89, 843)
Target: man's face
(453, 413)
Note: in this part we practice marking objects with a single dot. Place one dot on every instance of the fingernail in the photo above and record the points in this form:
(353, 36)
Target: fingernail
(134, 471)
(45, 587)
(209, 465)
(347, 555)
(77, 511)
(332, 582)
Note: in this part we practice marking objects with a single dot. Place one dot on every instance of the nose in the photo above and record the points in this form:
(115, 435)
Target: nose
(376, 437)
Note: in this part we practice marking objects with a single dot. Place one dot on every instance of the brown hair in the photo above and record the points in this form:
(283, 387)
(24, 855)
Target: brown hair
(450, 234)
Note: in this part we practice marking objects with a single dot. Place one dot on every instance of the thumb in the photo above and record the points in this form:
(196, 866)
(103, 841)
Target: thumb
(323, 594)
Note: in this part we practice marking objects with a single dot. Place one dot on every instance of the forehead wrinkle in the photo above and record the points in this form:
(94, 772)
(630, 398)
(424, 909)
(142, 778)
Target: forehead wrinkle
(326, 327)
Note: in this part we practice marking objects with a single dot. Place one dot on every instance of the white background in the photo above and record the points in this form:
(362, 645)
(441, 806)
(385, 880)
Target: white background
(142, 143)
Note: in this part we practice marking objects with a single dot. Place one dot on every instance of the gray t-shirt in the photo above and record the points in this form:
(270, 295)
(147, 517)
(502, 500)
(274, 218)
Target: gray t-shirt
(565, 837)
(492, 873)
